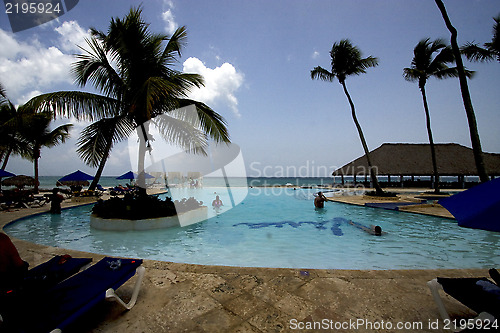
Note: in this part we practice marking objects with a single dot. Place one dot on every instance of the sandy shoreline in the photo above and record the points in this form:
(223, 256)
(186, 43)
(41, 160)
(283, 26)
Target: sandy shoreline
(178, 297)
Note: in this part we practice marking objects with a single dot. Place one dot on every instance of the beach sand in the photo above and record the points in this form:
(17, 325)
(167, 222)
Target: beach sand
(193, 298)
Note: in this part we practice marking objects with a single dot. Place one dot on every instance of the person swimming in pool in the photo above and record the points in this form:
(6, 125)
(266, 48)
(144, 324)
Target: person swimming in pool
(319, 201)
(217, 203)
(373, 230)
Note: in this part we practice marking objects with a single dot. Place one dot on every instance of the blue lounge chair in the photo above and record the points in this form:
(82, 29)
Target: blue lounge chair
(100, 188)
(59, 306)
(52, 272)
(37, 280)
(479, 294)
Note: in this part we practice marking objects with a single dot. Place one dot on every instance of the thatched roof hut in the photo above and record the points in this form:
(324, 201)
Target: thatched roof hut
(410, 159)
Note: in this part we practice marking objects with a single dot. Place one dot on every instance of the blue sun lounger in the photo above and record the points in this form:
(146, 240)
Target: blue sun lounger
(37, 280)
(52, 272)
(59, 306)
(479, 294)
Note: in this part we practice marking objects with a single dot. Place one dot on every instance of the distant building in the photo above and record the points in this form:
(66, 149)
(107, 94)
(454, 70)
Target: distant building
(414, 160)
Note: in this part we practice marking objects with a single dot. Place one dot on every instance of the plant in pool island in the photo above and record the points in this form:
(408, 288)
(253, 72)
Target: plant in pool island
(138, 207)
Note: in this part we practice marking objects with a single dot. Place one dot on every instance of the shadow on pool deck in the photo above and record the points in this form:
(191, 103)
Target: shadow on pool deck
(194, 298)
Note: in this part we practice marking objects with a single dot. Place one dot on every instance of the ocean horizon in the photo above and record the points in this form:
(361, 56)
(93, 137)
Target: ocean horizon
(49, 182)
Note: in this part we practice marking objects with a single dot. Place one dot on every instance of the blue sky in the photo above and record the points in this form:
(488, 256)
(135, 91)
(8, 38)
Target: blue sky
(256, 57)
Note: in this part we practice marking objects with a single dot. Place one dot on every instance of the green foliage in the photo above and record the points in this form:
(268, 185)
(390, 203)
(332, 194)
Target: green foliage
(136, 207)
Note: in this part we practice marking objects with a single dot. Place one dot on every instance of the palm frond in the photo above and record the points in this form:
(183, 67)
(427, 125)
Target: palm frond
(446, 73)
(211, 122)
(81, 105)
(174, 46)
(368, 62)
(3, 93)
(95, 66)
(322, 74)
(178, 129)
(411, 74)
(57, 136)
(94, 139)
(474, 52)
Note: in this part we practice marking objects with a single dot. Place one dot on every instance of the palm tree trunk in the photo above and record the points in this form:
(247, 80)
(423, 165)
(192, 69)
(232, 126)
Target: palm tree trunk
(142, 132)
(6, 159)
(431, 141)
(36, 156)
(98, 174)
(373, 175)
(469, 110)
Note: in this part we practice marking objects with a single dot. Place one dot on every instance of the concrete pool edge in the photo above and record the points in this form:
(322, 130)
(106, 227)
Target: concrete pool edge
(179, 296)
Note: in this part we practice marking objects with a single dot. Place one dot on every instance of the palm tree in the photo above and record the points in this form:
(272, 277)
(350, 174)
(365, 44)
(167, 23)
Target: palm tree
(464, 88)
(131, 67)
(347, 60)
(490, 51)
(36, 132)
(424, 66)
(11, 120)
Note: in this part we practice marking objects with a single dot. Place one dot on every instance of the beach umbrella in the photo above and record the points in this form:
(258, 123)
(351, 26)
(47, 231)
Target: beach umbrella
(477, 207)
(132, 175)
(19, 181)
(77, 178)
(4, 173)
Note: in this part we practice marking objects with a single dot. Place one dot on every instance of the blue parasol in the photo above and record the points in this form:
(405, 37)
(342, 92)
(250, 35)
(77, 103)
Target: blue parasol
(76, 178)
(4, 173)
(477, 207)
(132, 175)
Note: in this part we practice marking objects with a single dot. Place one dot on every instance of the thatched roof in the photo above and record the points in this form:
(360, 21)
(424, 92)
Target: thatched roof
(409, 159)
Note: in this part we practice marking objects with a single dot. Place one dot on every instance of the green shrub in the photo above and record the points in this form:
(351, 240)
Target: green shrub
(137, 207)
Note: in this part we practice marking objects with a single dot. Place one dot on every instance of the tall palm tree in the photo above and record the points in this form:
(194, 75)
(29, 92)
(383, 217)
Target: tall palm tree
(490, 51)
(131, 67)
(347, 60)
(430, 60)
(36, 132)
(464, 88)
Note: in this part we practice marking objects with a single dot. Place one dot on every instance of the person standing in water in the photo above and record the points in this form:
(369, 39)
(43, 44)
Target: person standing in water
(319, 201)
(217, 203)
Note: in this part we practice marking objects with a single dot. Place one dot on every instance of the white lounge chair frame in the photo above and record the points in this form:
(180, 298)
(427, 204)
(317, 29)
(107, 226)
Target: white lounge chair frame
(435, 286)
(112, 296)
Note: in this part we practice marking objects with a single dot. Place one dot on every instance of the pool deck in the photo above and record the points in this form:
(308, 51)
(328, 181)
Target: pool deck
(410, 200)
(194, 298)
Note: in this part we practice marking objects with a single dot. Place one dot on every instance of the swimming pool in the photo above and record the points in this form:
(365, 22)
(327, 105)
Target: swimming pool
(278, 227)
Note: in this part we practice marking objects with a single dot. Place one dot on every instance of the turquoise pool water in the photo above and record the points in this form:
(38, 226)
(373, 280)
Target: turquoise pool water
(276, 227)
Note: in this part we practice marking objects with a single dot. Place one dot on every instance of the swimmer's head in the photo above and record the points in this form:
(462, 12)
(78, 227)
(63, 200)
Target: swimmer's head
(378, 230)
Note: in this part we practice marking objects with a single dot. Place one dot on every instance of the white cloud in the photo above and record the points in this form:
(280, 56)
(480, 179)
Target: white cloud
(169, 18)
(72, 36)
(315, 55)
(221, 83)
(28, 66)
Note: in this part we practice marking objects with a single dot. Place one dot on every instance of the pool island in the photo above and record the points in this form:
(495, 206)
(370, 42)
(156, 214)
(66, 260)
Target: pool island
(179, 220)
